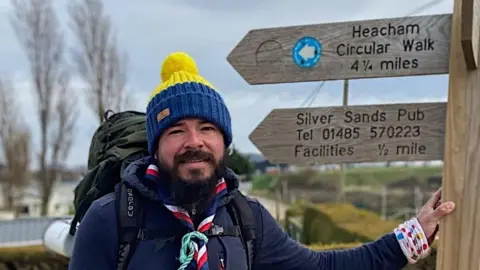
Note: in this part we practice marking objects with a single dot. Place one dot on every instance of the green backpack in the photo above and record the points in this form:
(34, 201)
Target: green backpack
(120, 140)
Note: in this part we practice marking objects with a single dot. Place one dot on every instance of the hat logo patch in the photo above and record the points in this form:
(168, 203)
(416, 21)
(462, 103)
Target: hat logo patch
(163, 114)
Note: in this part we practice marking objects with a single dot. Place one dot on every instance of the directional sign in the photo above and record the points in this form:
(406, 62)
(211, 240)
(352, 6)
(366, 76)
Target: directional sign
(306, 52)
(374, 133)
(349, 50)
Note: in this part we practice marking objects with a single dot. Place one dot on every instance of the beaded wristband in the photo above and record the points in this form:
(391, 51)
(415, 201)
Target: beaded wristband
(412, 240)
(422, 246)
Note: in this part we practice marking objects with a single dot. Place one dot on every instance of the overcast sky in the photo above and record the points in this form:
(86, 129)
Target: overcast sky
(208, 30)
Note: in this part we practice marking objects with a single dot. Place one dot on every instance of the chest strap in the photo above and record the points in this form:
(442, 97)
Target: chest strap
(215, 231)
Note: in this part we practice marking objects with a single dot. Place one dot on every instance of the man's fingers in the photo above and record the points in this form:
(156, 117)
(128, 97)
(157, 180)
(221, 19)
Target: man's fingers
(437, 205)
(438, 194)
(433, 201)
(444, 209)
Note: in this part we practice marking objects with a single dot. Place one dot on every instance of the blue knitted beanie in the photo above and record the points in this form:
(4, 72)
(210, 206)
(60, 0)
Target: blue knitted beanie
(183, 93)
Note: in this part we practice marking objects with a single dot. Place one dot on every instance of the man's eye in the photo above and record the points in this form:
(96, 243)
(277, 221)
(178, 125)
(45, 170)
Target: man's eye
(176, 131)
(208, 128)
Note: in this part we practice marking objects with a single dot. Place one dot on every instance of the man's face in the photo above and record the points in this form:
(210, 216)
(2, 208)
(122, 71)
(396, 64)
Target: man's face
(192, 150)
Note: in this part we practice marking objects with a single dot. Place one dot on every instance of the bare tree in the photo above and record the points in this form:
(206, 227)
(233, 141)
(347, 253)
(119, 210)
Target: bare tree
(14, 145)
(65, 119)
(38, 31)
(97, 58)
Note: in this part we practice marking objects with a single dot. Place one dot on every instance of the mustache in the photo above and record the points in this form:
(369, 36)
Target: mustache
(193, 155)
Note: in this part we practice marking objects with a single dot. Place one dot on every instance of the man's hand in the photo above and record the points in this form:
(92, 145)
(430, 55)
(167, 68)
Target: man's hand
(432, 212)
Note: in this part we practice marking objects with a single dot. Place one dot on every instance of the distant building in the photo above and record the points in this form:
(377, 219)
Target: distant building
(60, 204)
(265, 166)
(28, 203)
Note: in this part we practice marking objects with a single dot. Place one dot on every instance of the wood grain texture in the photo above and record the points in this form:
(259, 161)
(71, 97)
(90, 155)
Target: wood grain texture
(264, 56)
(470, 29)
(459, 245)
(395, 132)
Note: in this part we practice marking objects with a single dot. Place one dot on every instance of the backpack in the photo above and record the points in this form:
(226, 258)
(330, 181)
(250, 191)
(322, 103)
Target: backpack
(120, 140)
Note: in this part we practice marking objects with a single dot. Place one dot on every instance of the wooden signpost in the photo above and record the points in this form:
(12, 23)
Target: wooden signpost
(459, 245)
(409, 46)
(470, 29)
(349, 134)
(348, 50)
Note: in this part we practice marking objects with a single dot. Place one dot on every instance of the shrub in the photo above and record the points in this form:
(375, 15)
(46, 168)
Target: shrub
(378, 177)
(261, 182)
(295, 214)
(357, 220)
(318, 227)
(32, 257)
(310, 178)
(367, 176)
(338, 223)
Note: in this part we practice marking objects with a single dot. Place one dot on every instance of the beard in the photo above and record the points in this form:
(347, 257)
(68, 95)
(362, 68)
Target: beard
(197, 189)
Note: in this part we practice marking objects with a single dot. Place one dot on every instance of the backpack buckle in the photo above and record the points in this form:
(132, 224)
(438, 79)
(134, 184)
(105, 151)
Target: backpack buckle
(217, 229)
(141, 234)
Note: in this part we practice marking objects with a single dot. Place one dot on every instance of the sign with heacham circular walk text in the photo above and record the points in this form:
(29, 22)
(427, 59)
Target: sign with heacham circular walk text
(391, 47)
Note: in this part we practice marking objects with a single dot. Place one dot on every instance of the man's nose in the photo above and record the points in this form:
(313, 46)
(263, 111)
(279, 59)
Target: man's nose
(194, 140)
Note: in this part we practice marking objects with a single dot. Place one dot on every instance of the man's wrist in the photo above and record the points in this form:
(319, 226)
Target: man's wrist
(412, 240)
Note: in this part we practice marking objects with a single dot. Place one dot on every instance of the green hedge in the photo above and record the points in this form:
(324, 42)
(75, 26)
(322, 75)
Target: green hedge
(342, 223)
(33, 257)
(343, 226)
(294, 220)
(380, 176)
(262, 182)
(337, 223)
(368, 176)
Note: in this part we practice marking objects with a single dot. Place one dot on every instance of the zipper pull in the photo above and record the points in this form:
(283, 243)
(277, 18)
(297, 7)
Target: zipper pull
(194, 209)
(222, 264)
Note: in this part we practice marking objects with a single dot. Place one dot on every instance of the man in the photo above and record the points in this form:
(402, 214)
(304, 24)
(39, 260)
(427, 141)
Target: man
(184, 181)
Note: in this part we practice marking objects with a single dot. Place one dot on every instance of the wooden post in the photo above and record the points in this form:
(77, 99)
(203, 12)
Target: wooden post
(341, 184)
(470, 32)
(459, 244)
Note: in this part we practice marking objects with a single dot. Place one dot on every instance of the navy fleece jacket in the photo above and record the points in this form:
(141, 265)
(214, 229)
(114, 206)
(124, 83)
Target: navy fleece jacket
(96, 240)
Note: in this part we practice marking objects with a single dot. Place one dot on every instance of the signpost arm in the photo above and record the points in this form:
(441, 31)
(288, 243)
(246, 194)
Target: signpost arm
(470, 33)
(459, 243)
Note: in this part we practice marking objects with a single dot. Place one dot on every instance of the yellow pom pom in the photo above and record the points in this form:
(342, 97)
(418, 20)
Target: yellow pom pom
(181, 63)
(178, 61)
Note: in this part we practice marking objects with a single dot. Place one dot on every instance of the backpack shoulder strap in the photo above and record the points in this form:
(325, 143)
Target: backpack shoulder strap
(242, 214)
(129, 222)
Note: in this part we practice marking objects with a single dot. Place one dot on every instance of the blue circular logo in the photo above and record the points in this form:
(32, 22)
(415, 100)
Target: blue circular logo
(306, 52)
